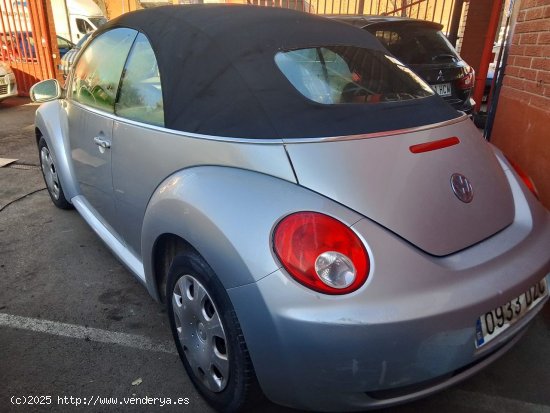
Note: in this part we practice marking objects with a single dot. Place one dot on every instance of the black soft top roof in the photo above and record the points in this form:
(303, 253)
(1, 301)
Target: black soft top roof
(219, 76)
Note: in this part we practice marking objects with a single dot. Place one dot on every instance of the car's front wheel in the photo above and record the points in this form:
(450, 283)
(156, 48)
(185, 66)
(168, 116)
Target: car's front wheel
(208, 335)
(51, 178)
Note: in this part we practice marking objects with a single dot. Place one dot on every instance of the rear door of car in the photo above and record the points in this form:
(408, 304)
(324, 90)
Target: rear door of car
(92, 93)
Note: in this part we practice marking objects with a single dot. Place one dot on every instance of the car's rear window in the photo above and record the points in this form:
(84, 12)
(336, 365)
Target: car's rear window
(349, 74)
(415, 45)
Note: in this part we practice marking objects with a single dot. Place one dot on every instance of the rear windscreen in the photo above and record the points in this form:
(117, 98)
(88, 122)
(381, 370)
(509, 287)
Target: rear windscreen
(349, 74)
(417, 45)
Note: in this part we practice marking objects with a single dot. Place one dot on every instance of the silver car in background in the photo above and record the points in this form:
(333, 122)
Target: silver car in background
(69, 57)
(321, 226)
(8, 83)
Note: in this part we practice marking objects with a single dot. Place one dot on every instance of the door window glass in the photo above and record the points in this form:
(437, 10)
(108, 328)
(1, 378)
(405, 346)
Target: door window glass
(98, 70)
(83, 26)
(140, 96)
(64, 43)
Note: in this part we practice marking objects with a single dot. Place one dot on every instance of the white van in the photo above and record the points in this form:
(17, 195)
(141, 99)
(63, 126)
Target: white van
(74, 18)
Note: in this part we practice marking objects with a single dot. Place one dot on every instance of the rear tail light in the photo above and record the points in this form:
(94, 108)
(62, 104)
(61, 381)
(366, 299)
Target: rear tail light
(321, 253)
(467, 82)
(524, 177)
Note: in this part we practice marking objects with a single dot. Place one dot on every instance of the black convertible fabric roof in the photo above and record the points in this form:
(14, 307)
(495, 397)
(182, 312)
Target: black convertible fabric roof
(219, 76)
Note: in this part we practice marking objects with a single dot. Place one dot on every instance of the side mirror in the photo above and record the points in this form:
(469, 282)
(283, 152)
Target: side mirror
(45, 91)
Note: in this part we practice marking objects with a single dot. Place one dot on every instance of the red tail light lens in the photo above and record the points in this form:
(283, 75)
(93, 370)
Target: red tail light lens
(467, 82)
(321, 253)
(525, 178)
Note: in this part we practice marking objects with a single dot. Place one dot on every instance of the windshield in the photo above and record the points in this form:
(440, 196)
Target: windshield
(349, 74)
(417, 45)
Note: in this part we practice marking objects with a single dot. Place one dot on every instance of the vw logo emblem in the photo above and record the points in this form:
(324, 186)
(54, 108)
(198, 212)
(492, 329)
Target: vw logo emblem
(462, 188)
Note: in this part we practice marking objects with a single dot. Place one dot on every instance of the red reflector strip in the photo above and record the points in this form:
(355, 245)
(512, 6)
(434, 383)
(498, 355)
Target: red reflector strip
(435, 145)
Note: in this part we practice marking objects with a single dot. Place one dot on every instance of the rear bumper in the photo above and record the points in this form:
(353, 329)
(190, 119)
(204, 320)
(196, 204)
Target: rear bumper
(467, 106)
(317, 353)
(408, 332)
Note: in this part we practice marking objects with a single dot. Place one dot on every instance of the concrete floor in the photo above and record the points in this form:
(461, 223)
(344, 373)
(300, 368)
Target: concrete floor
(74, 322)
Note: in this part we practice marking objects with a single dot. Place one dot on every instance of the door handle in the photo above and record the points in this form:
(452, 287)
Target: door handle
(102, 142)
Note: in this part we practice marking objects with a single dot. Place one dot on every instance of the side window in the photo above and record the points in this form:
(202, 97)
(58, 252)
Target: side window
(83, 26)
(388, 38)
(63, 43)
(98, 70)
(140, 96)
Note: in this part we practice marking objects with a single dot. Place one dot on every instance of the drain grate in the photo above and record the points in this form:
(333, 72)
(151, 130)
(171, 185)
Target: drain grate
(23, 166)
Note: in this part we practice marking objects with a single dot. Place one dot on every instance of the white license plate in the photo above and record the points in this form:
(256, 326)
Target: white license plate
(493, 323)
(443, 89)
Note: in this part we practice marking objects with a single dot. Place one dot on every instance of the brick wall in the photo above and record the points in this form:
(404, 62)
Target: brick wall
(462, 27)
(522, 123)
(528, 67)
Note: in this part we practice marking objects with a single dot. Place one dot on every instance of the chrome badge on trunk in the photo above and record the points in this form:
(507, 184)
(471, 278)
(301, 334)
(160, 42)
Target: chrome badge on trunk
(462, 188)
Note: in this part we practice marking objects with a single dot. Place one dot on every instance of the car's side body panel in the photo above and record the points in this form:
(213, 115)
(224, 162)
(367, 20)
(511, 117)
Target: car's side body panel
(109, 236)
(200, 205)
(51, 121)
(143, 157)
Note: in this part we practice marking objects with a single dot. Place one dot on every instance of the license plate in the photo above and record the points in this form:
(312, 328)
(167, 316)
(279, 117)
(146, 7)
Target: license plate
(443, 89)
(493, 323)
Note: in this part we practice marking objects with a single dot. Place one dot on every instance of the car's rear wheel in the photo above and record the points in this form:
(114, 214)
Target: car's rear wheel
(208, 335)
(51, 178)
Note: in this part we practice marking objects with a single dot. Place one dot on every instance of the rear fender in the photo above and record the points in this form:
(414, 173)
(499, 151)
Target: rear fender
(51, 121)
(227, 215)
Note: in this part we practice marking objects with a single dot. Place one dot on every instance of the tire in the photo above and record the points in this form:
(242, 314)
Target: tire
(212, 347)
(49, 172)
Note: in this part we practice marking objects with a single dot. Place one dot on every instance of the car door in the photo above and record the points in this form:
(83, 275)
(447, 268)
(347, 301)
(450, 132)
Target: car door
(138, 161)
(92, 95)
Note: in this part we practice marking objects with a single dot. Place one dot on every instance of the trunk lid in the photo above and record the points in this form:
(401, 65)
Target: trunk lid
(411, 193)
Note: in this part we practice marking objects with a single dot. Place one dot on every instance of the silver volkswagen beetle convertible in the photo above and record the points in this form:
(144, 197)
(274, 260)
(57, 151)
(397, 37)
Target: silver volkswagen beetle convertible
(321, 226)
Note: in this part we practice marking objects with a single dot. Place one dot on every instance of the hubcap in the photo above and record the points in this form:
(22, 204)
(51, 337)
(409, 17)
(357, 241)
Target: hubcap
(50, 173)
(201, 333)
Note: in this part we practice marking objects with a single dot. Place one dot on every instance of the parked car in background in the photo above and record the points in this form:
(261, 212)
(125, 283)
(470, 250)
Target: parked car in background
(64, 45)
(68, 58)
(17, 46)
(20, 46)
(320, 226)
(8, 84)
(424, 48)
